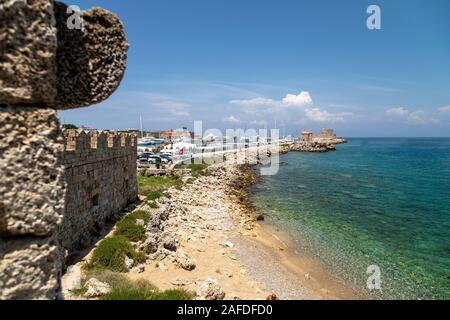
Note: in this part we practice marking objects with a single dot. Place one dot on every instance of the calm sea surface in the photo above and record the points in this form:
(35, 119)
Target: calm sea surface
(383, 202)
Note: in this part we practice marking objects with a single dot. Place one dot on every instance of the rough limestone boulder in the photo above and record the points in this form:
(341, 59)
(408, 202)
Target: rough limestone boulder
(210, 290)
(29, 269)
(46, 64)
(184, 261)
(155, 224)
(128, 262)
(168, 241)
(27, 52)
(32, 184)
(96, 288)
(90, 62)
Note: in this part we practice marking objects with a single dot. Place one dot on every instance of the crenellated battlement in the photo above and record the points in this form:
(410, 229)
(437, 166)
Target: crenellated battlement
(82, 140)
(85, 147)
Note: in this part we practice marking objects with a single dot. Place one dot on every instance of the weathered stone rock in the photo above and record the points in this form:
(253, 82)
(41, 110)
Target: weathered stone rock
(228, 273)
(309, 147)
(164, 215)
(161, 254)
(29, 269)
(96, 288)
(260, 217)
(181, 282)
(155, 224)
(90, 62)
(210, 290)
(151, 244)
(229, 244)
(27, 52)
(168, 241)
(184, 261)
(43, 62)
(140, 268)
(72, 279)
(129, 262)
(32, 176)
(273, 296)
(140, 222)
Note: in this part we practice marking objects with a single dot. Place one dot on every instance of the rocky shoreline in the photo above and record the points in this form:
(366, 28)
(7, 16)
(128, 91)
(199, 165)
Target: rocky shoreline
(212, 227)
(200, 234)
(199, 220)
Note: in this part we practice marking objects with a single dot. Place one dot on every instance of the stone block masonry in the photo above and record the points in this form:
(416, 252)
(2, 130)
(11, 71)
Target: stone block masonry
(100, 170)
(46, 66)
(32, 186)
(32, 193)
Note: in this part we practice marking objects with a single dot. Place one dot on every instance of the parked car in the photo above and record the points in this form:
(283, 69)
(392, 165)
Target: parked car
(154, 159)
(145, 155)
(166, 158)
(159, 159)
(145, 159)
(142, 162)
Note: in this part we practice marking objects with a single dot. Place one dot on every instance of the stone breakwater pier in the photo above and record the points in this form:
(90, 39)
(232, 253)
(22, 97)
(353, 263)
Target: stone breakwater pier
(307, 147)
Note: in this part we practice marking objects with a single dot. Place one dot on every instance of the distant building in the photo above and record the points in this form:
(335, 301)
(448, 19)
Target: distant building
(327, 133)
(181, 134)
(306, 136)
(88, 129)
(168, 135)
(132, 130)
(326, 136)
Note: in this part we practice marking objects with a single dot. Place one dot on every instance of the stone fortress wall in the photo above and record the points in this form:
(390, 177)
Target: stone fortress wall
(100, 172)
(44, 67)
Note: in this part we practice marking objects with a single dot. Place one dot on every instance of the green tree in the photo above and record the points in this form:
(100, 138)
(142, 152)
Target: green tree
(69, 126)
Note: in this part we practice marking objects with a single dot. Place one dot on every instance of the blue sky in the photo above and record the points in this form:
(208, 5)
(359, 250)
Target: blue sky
(304, 64)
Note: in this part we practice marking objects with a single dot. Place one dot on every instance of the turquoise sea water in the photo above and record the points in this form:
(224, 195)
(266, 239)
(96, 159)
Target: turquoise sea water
(382, 202)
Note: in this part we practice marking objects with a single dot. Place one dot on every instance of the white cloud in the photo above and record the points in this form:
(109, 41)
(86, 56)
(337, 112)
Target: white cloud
(414, 117)
(171, 105)
(417, 117)
(258, 122)
(235, 120)
(302, 100)
(400, 111)
(179, 113)
(291, 107)
(232, 119)
(444, 109)
(254, 102)
(317, 115)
